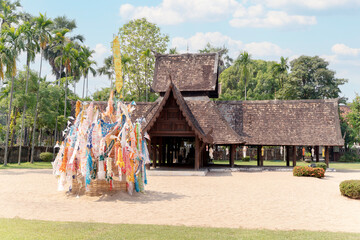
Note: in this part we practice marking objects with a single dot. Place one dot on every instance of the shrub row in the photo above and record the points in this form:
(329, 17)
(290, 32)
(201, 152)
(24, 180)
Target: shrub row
(349, 157)
(309, 171)
(46, 156)
(350, 188)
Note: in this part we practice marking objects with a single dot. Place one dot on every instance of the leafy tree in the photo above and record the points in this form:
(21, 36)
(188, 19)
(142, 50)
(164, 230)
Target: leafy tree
(225, 59)
(310, 78)
(136, 37)
(101, 95)
(353, 120)
(243, 64)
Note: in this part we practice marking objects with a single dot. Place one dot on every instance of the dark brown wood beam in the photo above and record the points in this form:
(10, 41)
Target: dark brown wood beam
(317, 153)
(327, 154)
(259, 156)
(197, 153)
(232, 155)
(287, 153)
(294, 156)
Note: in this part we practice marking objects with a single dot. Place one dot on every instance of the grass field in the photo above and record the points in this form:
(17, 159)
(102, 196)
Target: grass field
(336, 165)
(33, 229)
(27, 165)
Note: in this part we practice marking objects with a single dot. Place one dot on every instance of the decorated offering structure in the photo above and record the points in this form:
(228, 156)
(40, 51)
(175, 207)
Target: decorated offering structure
(102, 151)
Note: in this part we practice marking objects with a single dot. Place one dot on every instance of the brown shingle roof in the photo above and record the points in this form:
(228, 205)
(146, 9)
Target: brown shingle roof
(189, 72)
(202, 115)
(291, 122)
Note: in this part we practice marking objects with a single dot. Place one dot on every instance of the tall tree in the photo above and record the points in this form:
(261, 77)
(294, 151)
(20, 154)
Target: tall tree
(67, 60)
(13, 37)
(136, 37)
(43, 35)
(242, 64)
(310, 78)
(31, 46)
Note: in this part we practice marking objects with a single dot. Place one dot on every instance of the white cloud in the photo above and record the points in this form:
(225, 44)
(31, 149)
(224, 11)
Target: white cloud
(342, 49)
(256, 49)
(265, 49)
(312, 4)
(170, 12)
(273, 19)
(100, 53)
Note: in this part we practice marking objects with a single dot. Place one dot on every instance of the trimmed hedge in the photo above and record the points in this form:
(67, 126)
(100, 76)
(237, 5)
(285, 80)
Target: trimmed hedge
(308, 172)
(350, 188)
(46, 156)
(246, 159)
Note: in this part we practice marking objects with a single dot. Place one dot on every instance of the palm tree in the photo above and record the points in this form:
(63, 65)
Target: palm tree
(88, 64)
(173, 51)
(12, 37)
(31, 48)
(242, 64)
(281, 69)
(43, 36)
(68, 53)
(108, 69)
(8, 14)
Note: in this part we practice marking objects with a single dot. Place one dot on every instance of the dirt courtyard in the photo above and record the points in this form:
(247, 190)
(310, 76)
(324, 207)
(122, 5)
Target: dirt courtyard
(270, 200)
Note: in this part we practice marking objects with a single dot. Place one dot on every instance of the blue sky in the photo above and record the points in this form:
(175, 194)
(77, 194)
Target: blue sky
(266, 29)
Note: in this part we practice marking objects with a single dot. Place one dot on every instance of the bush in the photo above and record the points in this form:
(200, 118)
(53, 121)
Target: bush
(246, 159)
(321, 165)
(46, 156)
(350, 188)
(309, 171)
(349, 157)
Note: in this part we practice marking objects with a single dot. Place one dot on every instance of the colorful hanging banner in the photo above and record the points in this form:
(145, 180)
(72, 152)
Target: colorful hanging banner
(117, 65)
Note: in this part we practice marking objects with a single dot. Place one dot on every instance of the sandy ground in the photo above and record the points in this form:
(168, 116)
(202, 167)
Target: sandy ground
(270, 200)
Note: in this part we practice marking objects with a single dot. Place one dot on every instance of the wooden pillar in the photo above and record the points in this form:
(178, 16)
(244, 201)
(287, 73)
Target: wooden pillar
(294, 156)
(287, 153)
(317, 153)
(232, 155)
(259, 157)
(197, 153)
(160, 151)
(327, 154)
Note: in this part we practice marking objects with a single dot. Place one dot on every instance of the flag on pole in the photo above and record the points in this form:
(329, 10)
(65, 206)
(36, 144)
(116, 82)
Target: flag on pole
(117, 65)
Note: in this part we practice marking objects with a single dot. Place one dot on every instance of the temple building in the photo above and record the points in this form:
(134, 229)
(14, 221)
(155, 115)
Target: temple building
(186, 120)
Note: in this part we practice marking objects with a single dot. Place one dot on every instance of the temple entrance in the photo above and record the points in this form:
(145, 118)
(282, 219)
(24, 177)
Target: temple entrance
(174, 151)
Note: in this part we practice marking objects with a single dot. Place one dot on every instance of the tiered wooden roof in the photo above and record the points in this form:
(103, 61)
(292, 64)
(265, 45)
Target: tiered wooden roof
(189, 72)
(192, 78)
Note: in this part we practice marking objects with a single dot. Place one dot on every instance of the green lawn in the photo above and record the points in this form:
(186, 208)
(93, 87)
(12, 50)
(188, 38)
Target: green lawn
(35, 165)
(336, 165)
(33, 229)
